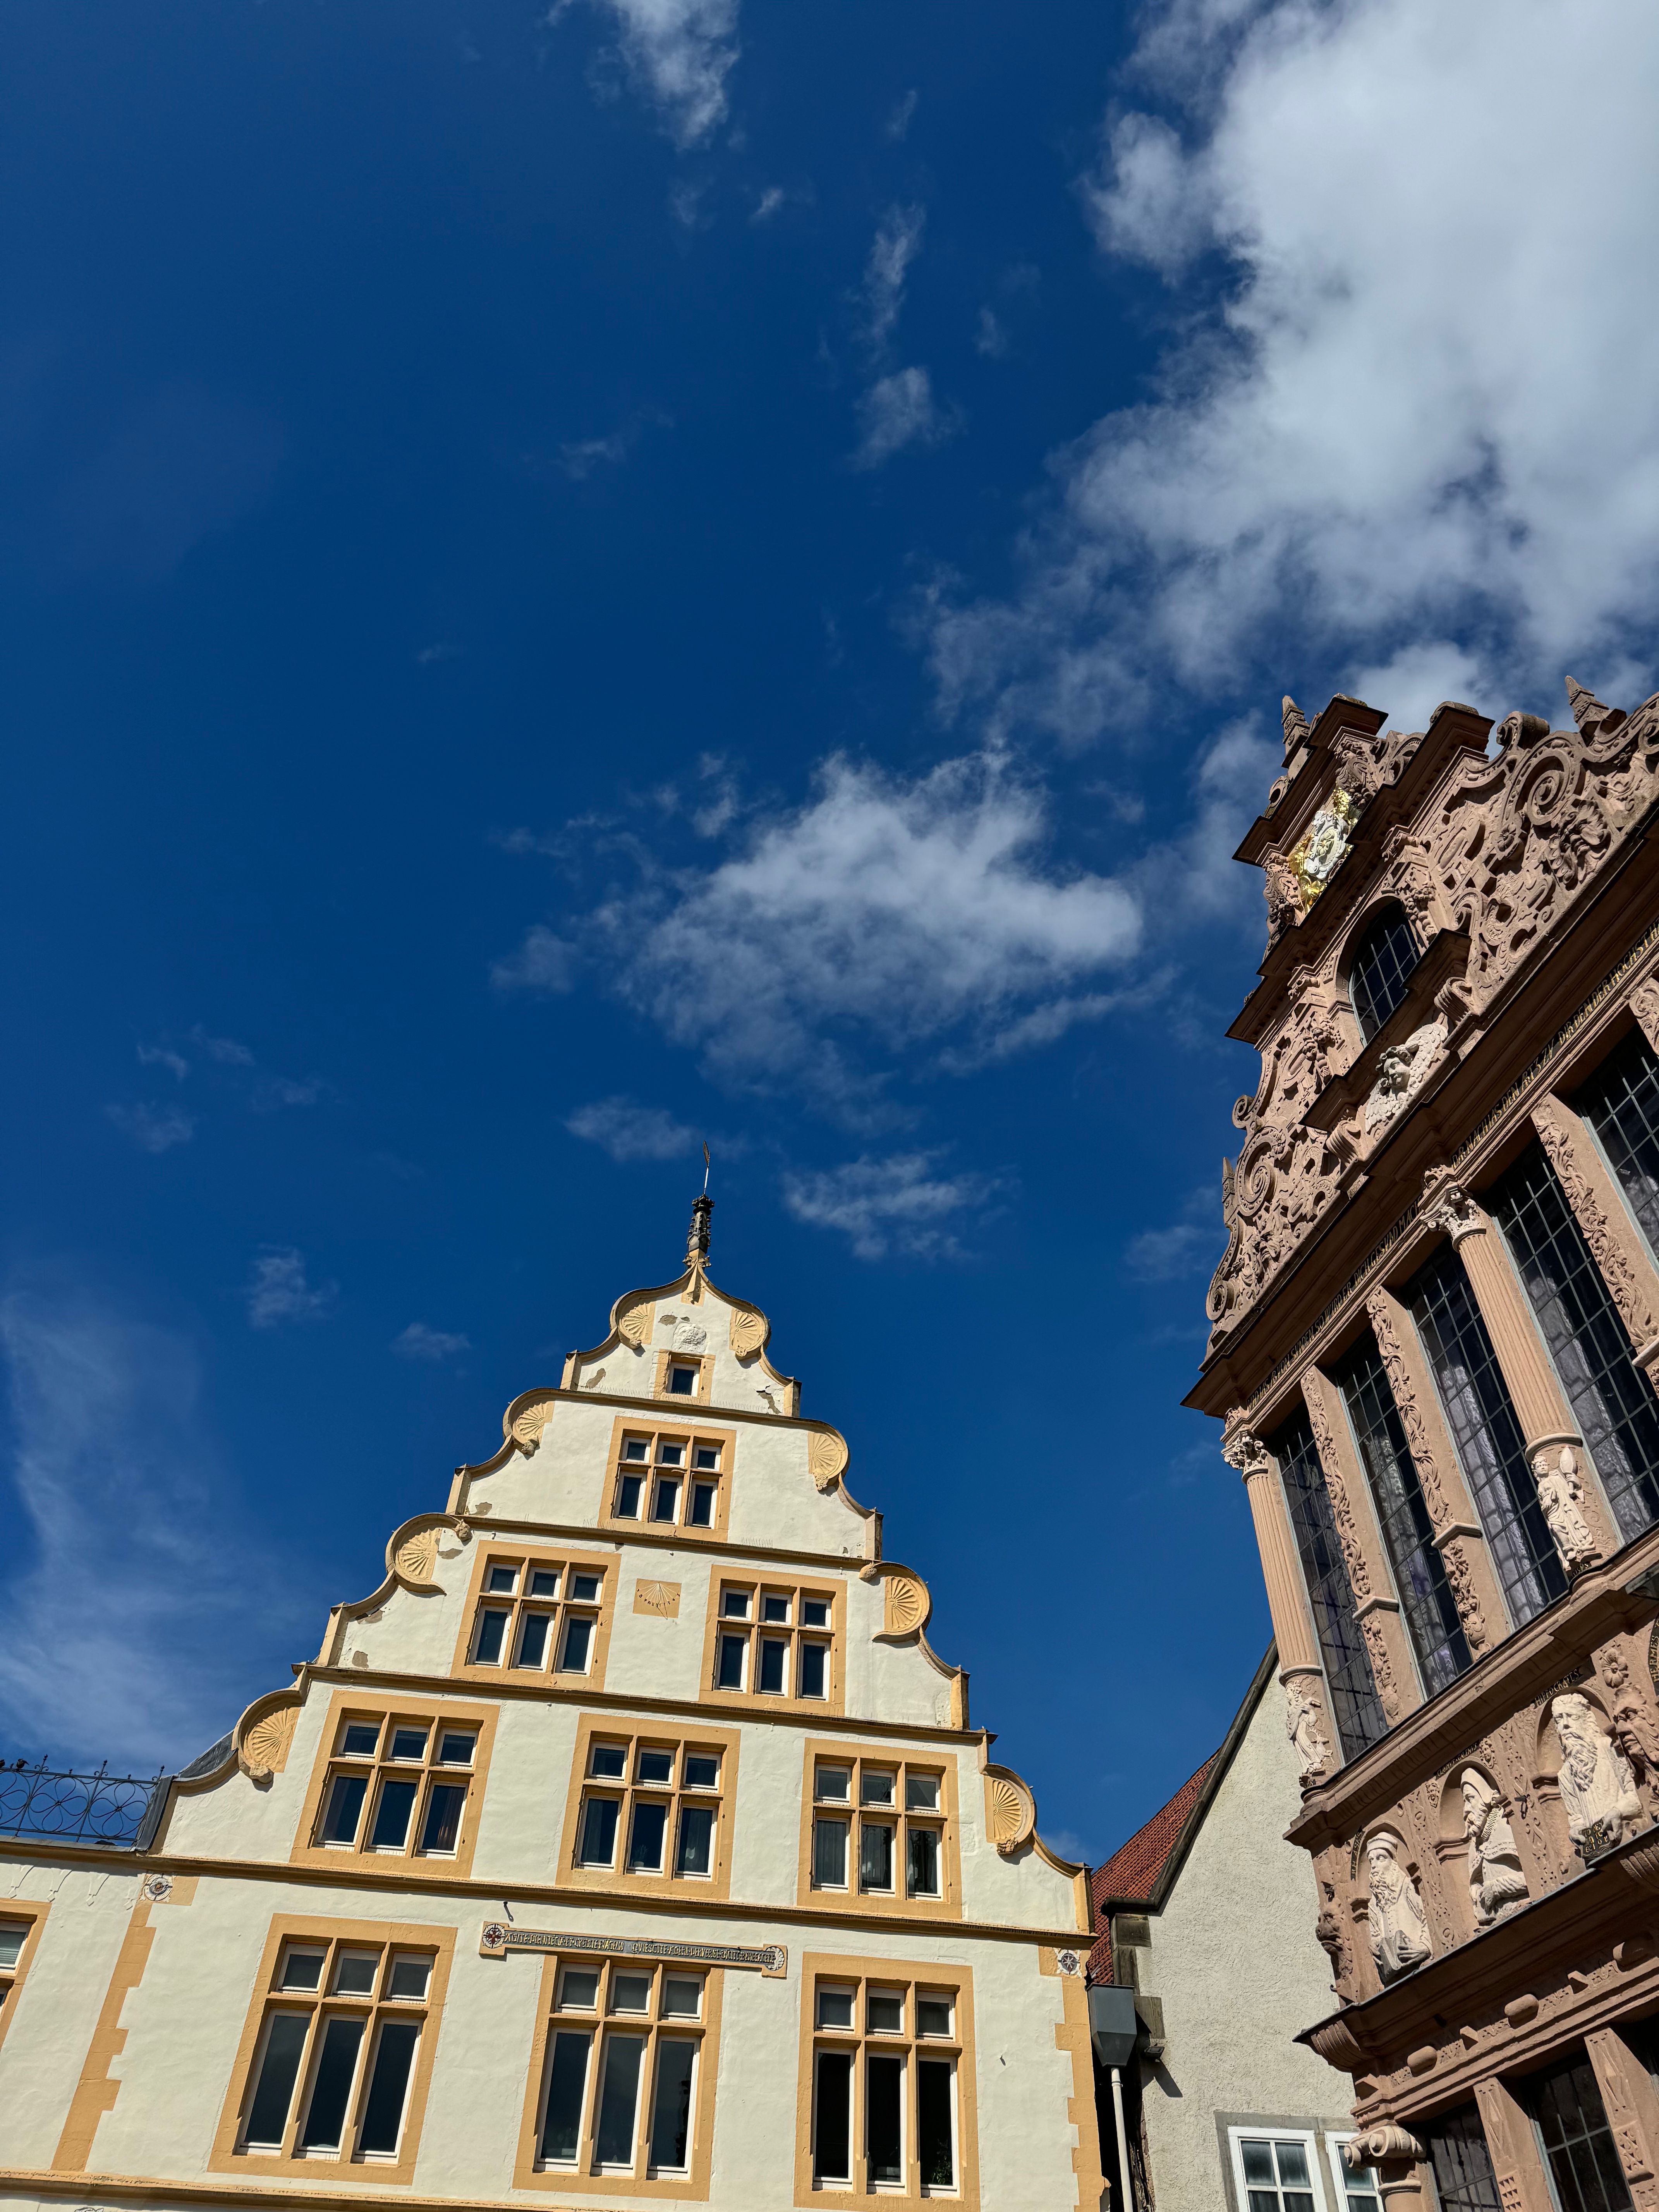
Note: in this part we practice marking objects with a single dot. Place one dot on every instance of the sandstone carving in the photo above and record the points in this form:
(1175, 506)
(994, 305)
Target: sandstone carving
(1496, 1883)
(634, 1327)
(749, 1331)
(1633, 1722)
(1384, 2146)
(1010, 1811)
(905, 1604)
(1242, 1449)
(1401, 1073)
(1608, 1249)
(1327, 1932)
(1446, 1206)
(1394, 1917)
(689, 1336)
(1329, 842)
(416, 1556)
(265, 1747)
(531, 1419)
(1305, 1725)
(826, 1456)
(1561, 1494)
(1597, 1787)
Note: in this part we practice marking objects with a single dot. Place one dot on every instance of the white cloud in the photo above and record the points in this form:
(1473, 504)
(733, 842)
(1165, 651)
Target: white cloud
(990, 338)
(679, 53)
(899, 121)
(417, 1341)
(896, 411)
(628, 1132)
(121, 1612)
(271, 1092)
(225, 1050)
(278, 1291)
(1190, 1245)
(900, 1200)
(161, 1055)
(768, 204)
(894, 910)
(895, 245)
(543, 963)
(154, 1128)
(1410, 412)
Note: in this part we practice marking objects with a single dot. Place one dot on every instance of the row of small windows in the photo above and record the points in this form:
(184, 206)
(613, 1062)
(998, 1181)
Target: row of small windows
(1613, 1401)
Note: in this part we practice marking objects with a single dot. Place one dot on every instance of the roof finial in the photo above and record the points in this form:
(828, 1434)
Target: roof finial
(1588, 712)
(696, 1244)
(1295, 724)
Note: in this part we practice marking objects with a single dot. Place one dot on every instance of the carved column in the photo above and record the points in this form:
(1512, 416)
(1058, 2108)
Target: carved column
(1402, 2172)
(1632, 2104)
(1522, 2183)
(1393, 1667)
(1308, 1721)
(1458, 1535)
(1617, 1246)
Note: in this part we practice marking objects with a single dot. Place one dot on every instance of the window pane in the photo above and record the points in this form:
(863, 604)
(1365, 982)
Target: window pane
(834, 2007)
(1621, 1104)
(702, 1771)
(1572, 2126)
(829, 1854)
(922, 1874)
(585, 1588)
(832, 2115)
(884, 2117)
(392, 1816)
(815, 1612)
(669, 1454)
(921, 1793)
(578, 1642)
(285, 2043)
(579, 1988)
(706, 1455)
(875, 1855)
(383, 2109)
(360, 1739)
(702, 1513)
(932, 2015)
(682, 1996)
(834, 1785)
(645, 1838)
(410, 1976)
(734, 1604)
(1258, 2159)
(666, 1503)
(354, 1976)
(501, 1578)
(671, 2111)
(934, 2147)
(345, 1807)
(1354, 1705)
(492, 1633)
(812, 1670)
(566, 2079)
(1381, 970)
(609, 1761)
(598, 1831)
(532, 1639)
(544, 1582)
(628, 1497)
(731, 1668)
(775, 1608)
(636, 1448)
(773, 1655)
(682, 1381)
(1292, 2164)
(695, 1848)
(409, 1743)
(303, 1969)
(455, 1749)
(325, 2120)
(443, 1817)
(883, 2012)
(619, 2099)
(630, 1993)
(655, 1766)
(876, 1789)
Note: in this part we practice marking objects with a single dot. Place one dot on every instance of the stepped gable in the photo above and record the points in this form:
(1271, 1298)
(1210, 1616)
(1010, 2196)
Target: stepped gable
(1479, 841)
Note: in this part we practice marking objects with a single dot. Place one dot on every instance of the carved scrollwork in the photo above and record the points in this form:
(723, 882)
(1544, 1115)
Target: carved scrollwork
(1341, 1508)
(1564, 1145)
(1644, 1005)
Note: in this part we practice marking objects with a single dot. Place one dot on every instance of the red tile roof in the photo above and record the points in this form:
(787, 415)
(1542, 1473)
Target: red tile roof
(1134, 1868)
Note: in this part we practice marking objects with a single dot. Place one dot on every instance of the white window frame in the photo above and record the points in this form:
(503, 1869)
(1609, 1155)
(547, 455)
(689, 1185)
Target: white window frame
(1334, 2147)
(1306, 2136)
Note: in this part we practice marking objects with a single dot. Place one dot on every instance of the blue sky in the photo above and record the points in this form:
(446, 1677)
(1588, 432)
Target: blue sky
(580, 580)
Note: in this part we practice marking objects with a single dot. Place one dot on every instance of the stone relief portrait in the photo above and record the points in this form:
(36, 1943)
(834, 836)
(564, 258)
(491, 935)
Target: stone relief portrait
(1399, 1926)
(1497, 1884)
(1561, 1494)
(1597, 1787)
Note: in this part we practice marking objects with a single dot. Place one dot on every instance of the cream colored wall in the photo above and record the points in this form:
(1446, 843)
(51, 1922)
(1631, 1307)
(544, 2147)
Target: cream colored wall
(1234, 1960)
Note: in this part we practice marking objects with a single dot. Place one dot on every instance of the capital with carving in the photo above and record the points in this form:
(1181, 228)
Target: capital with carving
(1384, 2146)
(1241, 1448)
(1448, 1205)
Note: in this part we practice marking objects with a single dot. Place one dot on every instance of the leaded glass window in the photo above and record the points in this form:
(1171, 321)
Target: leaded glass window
(1621, 1104)
(1354, 1706)
(1577, 2143)
(1419, 1571)
(1381, 969)
(1463, 2177)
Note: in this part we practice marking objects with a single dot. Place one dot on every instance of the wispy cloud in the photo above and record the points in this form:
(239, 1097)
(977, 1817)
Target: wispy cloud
(153, 1129)
(628, 1132)
(161, 1055)
(901, 116)
(679, 54)
(122, 1606)
(901, 1201)
(417, 1341)
(896, 243)
(277, 1291)
(897, 411)
(543, 963)
(225, 1050)
(269, 1093)
(1189, 1245)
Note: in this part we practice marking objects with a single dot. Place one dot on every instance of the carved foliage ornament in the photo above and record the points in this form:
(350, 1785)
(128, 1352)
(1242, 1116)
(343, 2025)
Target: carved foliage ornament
(1564, 1143)
(634, 1326)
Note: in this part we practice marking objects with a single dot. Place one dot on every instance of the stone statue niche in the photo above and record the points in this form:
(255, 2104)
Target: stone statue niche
(1497, 1882)
(1398, 1925)
(1598, 1790)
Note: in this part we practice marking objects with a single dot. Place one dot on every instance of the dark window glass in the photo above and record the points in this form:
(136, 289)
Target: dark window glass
(702, 1515)
(345, 1808)
(325, 2120)
(696, 1839)
(532, 1639)
(773, 1655)
(933, 2145)
(628, 1497)
(1579, 2145)
(598, 1831)
(682, 1381)
(285, 2040)
(578, 1641)
(383, 2108)
(829, 1854)
(731, 1651)
(619, 2099)
(443, 1817)
(1621, 1104)
(1479, 1412)
(645, 1837)
(670, 2110)
(875, 1855)
(1463, 2175)
(813, 1656)
(923, 1862)
(667, 1502)
(1354, 1705)
(561, 2129)
(1381, 969)
(492, 1627)
(883, 2110)
(1419, 1571)
(1617, 1410)
(392, 1816)
(832, 2116)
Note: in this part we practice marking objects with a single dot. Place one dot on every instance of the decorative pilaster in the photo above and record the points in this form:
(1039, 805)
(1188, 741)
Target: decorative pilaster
(1458, 1536)
(1644, 1005)
(1522, 2183)
(1401, 2170)
(1375, 1607)
(1616, 1245)
(1307, 1720)
(1633, 2107)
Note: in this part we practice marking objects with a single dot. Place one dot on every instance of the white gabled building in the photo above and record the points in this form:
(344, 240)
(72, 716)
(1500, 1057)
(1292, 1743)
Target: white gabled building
(629, 1843)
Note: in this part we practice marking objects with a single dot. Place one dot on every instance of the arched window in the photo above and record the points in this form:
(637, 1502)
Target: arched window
(1382, 969)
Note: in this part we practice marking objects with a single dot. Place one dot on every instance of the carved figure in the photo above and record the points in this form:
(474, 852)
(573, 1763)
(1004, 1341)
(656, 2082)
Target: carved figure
(1561, 1494)
(1304, 1724)
(1633, 1725)
(689, 1336)
(1283, 894)
(1327, 845)
(1328, 1932)
(1399, 1927)
(1597, 1787)
(1401, 1073)
(1497, 1885)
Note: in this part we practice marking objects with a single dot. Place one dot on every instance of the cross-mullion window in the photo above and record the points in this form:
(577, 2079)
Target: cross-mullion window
(1481, 1418)
(774, 1640)
(1464, 2179)
(1621, 1104)
(650, 1807)
(1576, 2139)
(397, 1785)
(878, 1826)
(538, 1615)
(1616, 1407)
(1354, 1706)
(670, 1479)
(884, 2094)
(622, 2092)
(335, 2052)
(1419, 1571)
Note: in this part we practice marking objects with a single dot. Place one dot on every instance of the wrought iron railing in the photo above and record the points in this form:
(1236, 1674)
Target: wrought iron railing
(79, 1808)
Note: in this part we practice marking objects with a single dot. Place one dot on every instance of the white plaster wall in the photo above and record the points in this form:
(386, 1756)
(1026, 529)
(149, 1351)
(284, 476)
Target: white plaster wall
(52, 2016)
(1234, 1959)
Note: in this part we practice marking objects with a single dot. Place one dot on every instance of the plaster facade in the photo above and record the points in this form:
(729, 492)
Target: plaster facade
(494, 1991)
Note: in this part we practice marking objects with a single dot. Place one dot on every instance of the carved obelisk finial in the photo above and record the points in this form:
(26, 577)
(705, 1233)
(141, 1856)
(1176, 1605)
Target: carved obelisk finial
(696, 1244)
(1588, 712)
(1295, 724)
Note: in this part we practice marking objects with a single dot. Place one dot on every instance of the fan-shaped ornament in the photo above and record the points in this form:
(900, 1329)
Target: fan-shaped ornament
(634, 1327)
(749, 1331)
(826, 1455)
(907, 1604)
(414, 1556)
(1011, 1815)
(530, 1420)
(265, 1745)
